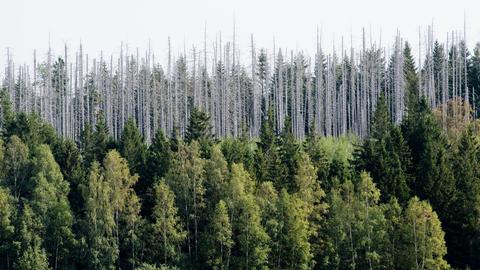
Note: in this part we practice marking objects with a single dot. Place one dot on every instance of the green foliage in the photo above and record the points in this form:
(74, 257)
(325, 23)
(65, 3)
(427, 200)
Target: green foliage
(424, 244)
(100, 219)
(276, 202)
(112, 213)
(411, 80)
(474, 74)
(386, 156)
(146, 266)
(70, 160)
(463, 231)
(434, 179)
(356, 228)
(216, 174)
(7, 228)
(132, 147)
(158, 158)
(33, 258)
(31, 130)
(252, 238)
(167, 227)
(186, 178)
(15, 166)
(295, 248)
(50, 204)
(199, 128)
(6, 114)
(221, 237)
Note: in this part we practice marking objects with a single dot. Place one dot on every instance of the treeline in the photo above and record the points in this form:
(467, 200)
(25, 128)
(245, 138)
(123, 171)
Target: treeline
(406, 197)
(333, 92)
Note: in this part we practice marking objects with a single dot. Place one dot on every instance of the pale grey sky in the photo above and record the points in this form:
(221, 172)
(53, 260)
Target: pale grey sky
(103, 24)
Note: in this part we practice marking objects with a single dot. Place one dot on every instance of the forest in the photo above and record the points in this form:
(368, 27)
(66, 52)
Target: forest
(367, 160)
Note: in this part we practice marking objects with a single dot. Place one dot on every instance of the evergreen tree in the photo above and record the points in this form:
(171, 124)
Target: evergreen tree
(101, 139)
(70, 160)
(463, 232)
(411, 80)
(381, 123)
(31, 130)
(199, 128)
(158, 156)
(474, 77)
(158, 159)
(386, 156)
(434, 179)
(132, 147)
(87, 145)
(289, 150)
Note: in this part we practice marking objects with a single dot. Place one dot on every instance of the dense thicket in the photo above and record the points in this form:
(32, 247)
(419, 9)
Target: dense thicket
(405, 197)
(119, 192)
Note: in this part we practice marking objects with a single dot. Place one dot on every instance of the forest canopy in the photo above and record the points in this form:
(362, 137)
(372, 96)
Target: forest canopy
(355, 162)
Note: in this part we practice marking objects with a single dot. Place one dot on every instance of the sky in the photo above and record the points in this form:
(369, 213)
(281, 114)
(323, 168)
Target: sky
(101, 25)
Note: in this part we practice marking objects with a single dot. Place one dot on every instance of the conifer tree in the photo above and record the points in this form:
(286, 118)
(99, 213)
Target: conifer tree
(87, 145)
(200, 130)
(289, 150)
(411, 81)
(463, 228)
(101, 138)
(386, 156)
(132, 147)
(158, 158)
(71, 164)
(434, 179)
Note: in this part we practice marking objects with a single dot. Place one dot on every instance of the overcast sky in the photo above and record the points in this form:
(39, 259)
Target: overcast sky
(103, 24)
